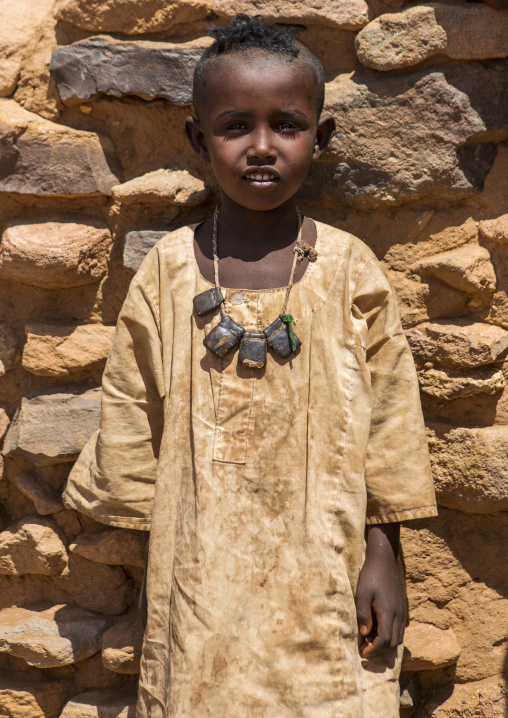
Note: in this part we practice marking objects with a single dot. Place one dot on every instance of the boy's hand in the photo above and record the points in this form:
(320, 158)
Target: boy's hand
(380, 595)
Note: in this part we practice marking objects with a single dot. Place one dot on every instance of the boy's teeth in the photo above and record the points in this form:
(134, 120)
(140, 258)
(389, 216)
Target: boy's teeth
(261, 177)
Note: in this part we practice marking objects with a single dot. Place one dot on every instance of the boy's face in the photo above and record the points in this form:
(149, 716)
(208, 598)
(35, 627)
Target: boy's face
(259, 129)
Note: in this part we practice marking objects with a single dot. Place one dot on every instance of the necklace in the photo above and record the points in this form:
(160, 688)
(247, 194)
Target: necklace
(280, 335)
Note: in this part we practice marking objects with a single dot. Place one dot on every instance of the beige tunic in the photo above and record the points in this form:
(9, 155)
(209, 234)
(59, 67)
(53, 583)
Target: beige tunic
(257, 484)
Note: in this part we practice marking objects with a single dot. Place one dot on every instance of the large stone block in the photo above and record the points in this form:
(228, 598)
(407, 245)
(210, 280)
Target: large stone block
(40, 157)
(467, 268)
(29, 697)
(111, 546)
(105, 703)
(96, 586)
(55, 255)
(427, 647)
(115, 67)
(408, 136)
(469, 467)
(56, 636)
(53, 427)
(174, 187)
(452, 384)
(144, 16)
(20, 28)
(137, 244)
(345, 14)
(58, 349)
(121, 644)
(43, 496)
(463, 344)
(32, 545)
(398, 40)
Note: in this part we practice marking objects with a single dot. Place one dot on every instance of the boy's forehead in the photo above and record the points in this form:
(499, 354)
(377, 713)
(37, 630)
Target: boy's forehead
(244, 77)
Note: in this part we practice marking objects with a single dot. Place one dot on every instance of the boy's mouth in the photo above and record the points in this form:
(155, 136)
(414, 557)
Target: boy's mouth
(261, 178)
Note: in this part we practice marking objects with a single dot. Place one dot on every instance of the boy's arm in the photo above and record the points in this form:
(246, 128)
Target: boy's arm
(380, 595)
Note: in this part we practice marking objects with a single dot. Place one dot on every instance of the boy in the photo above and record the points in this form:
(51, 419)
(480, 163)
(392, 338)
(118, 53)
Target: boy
(268, 463)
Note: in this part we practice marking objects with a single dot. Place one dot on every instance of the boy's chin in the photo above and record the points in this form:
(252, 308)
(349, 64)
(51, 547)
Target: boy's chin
(260, 203)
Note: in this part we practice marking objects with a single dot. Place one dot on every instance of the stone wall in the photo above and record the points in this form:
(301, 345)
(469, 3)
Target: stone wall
(94, 167)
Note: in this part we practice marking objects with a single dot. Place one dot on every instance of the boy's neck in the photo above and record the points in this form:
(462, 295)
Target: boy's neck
(246, 233)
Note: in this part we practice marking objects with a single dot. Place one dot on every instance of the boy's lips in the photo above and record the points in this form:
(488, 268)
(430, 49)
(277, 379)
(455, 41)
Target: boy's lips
(261, 178)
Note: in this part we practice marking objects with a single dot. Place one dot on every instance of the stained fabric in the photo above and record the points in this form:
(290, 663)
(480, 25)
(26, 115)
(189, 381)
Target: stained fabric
(256, 484)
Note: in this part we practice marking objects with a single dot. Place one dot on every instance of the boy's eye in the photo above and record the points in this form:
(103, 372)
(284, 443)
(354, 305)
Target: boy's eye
(236, 127)
(286, 126)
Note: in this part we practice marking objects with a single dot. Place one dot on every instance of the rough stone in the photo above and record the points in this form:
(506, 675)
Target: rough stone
(469, 467)
(147, 69)
(52, 427)
(145, 16)
(345, 14)
(398, 40)
(20, 29)
(137, 244)
(9, 345)
(121, 645)
(32, 545)
(454, 581)
(422, 299)
(42, 158)
(58, 350)
(96, 586)
(56, 636)
(463, 344)
(4, 421)
(479, 699)
(427, 647)
(495, 230)
(111, 546)
(467, 268)
(178, 188)
(405, 137)
(44, 497)
(55, 254)
(105, 703)
(28, 697)
(455, 385)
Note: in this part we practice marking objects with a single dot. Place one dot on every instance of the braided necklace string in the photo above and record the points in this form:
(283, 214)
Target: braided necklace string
(300, 249)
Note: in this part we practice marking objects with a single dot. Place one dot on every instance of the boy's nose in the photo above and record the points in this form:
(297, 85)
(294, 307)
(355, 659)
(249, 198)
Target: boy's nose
(261, 147)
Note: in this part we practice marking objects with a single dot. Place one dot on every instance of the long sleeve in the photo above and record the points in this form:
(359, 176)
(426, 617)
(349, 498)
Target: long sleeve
(397, 471)
(113, 480)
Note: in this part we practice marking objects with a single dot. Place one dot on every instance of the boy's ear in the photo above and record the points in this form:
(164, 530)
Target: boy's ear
(325, 130)
(196, 137)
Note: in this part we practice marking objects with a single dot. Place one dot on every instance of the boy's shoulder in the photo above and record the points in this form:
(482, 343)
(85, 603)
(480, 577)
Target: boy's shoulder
(336, 240)
(174, 247)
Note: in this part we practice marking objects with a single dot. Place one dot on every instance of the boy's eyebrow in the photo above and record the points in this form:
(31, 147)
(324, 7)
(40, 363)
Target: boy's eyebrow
(231, 114)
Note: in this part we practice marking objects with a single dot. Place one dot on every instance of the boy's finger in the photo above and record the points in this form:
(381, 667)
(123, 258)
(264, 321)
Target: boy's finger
(364, 615)
(396, 631)
(384, 631)
(401, 632)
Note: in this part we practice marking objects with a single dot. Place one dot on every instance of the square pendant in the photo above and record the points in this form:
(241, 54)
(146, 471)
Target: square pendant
(253, 350)
(223, 337)
(277, 336)
(206, 301)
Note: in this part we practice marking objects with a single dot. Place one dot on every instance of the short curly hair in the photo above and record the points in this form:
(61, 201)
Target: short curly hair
(246, 33)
